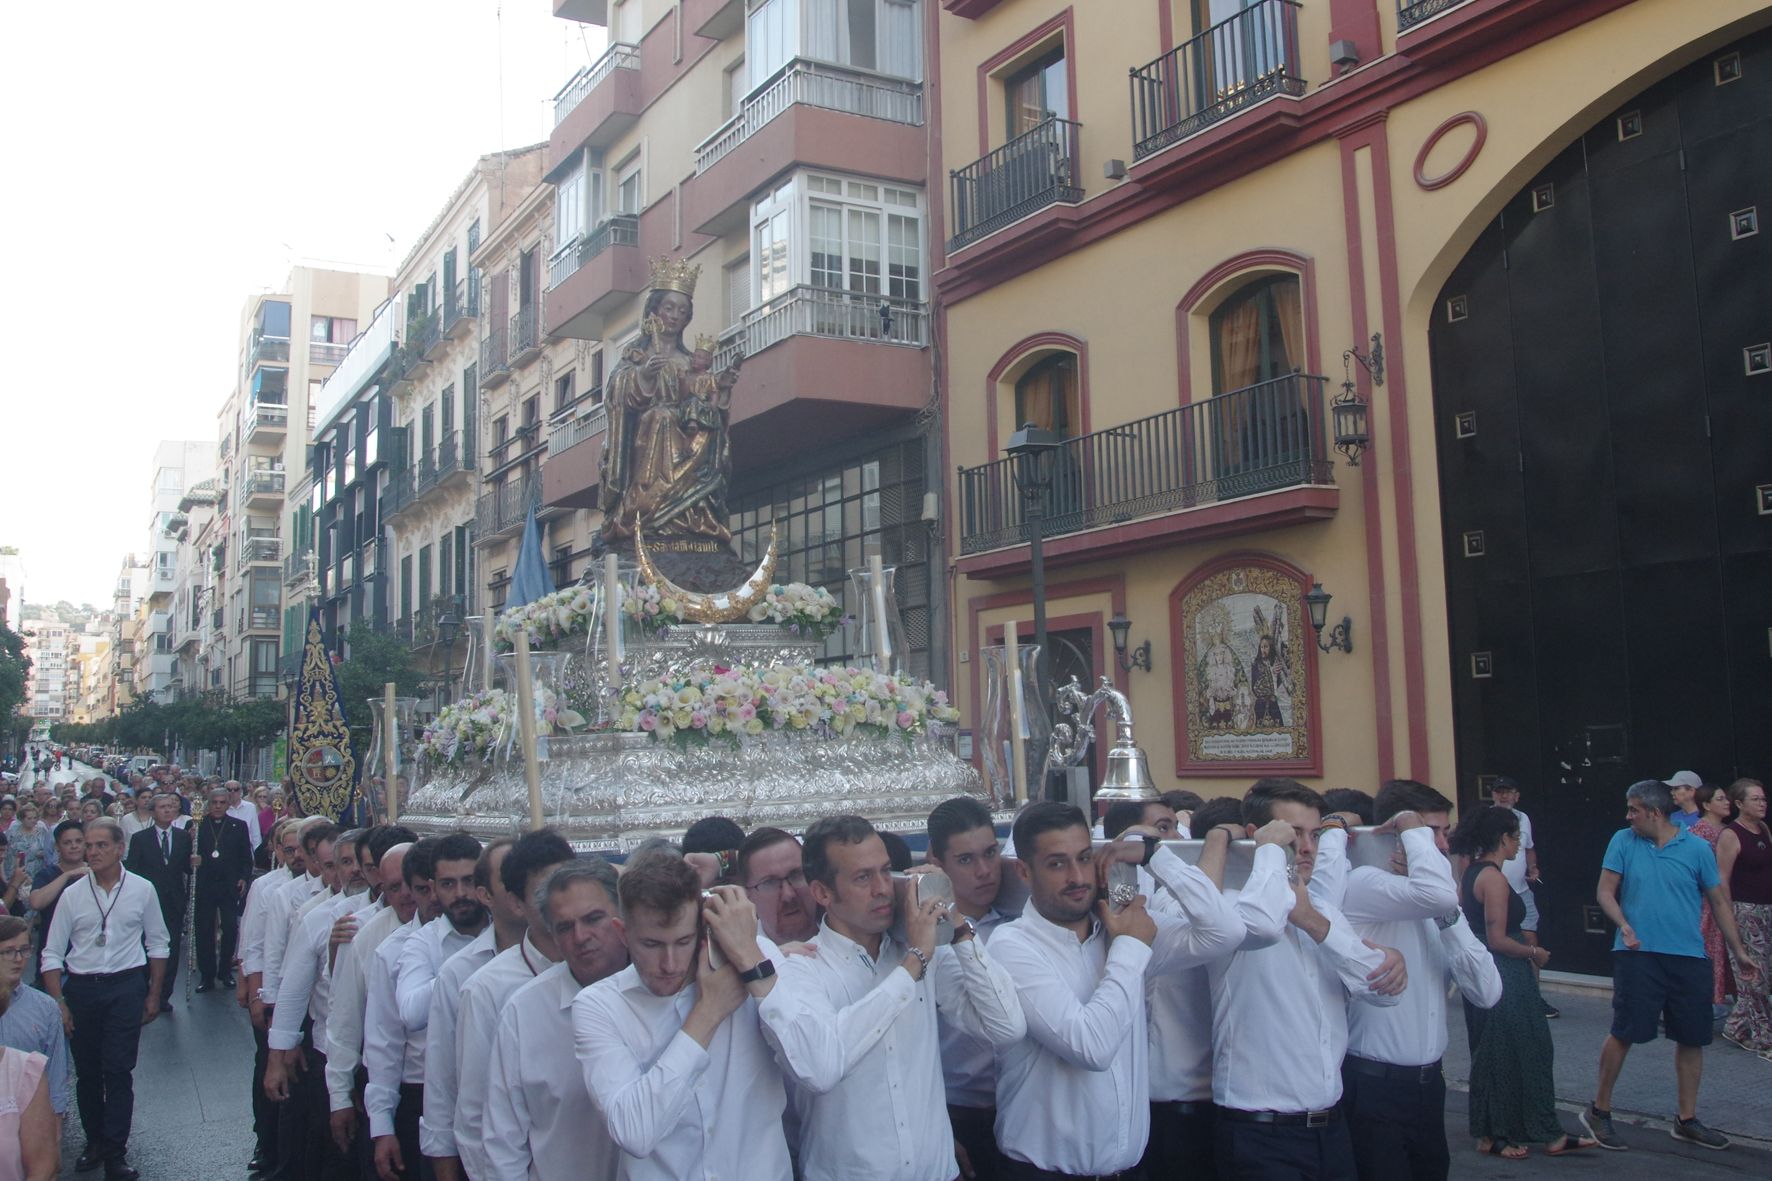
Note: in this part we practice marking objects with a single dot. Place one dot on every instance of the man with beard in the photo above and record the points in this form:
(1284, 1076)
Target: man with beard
(857, 1023)
(436, 1125)
(298, 1026)
(671, 1047)
(393, 1046)
(963, 844)
(223, 854)
(344, 1024)
(769, 869)
(286, 848)
(525, 869)
(540, 1121)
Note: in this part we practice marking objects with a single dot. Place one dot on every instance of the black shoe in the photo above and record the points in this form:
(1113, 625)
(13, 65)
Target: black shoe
(118, 1169)
(256, 1164)
(1551, 1012)
(92, 1158)
(205, 986)
(226, 980)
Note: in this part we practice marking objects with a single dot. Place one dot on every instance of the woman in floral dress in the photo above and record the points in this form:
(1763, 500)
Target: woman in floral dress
(1744, 857)
(1714, 814)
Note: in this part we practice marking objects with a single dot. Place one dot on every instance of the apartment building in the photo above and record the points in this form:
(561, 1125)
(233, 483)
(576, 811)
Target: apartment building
(91, 659)
(1402, 314)
(782, 146)
(49, 643)
(116, 685)
(194, 592)
(178, 465)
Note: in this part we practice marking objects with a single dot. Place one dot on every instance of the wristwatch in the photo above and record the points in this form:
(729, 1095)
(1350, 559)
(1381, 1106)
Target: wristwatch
(1446, 921)
(763, 971)
(1151, 845)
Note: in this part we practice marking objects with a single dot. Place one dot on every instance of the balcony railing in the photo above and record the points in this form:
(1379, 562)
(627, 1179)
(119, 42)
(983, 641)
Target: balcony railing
(819, 311)
(1035, 169)
(623, 229)
(297, 567)
(573, 431)
(261, 549)
(495, 356)
(505, 509)
(262, 483)
(423, 333)
(399, 492)
(1412, 12)
(1259, 439)
(321, 352)
(525, 334)
(830, 87)
(434, 469)
(461, 306)
(1237, 62)
(620, 56)
(267, 417)
(268, 349)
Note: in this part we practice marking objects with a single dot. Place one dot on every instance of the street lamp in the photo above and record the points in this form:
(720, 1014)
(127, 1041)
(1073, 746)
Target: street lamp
(1140, 657)
(1033, 450)
(1341, 635)
(447, 626)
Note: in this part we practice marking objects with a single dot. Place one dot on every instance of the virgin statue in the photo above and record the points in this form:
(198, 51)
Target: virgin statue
(667, 456)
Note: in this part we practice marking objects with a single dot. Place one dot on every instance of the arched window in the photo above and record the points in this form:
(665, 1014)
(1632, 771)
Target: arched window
(1046, 395)
(1258, 334)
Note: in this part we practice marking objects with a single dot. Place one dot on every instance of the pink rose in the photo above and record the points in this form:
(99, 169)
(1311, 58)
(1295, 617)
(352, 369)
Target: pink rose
(648, 722)
(906, 719)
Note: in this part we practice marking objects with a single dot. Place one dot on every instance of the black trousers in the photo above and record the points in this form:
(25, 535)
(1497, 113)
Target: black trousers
(107, 1013)
(216, 904)
(175, 930)
(1181, 1143)
(1020, 1170)
(1283, 1152)
(1398, 1125)
(264, 1112)
(406, 1115)
(975, 1130)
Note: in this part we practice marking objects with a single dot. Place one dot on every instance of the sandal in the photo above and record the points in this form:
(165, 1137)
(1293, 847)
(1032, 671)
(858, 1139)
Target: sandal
(1506, 1149)
(1572, 1144)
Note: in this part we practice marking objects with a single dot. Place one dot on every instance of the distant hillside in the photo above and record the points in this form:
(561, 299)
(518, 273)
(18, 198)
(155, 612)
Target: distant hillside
(74, 617)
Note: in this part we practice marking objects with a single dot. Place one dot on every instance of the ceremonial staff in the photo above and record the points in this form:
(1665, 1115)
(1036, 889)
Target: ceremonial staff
(191, 913)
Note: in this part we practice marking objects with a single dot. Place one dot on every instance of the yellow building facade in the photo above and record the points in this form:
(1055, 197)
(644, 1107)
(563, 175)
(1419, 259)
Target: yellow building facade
(1167, 223)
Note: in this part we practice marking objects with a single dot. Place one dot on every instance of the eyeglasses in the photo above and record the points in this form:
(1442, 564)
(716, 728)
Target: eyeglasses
(15, 953)
(797, 880)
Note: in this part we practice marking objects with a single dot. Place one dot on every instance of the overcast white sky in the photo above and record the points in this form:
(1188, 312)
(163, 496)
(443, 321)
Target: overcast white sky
(164, 162)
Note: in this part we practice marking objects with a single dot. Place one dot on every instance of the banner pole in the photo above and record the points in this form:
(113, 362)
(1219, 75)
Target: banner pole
(390, 751)
(526, 727)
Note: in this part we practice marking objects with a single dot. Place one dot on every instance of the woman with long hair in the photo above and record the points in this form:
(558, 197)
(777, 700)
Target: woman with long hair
(1513, 1096)
(1715, 811)
(1744, 861)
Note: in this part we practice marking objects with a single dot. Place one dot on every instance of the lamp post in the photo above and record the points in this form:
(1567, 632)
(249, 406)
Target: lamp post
(1032, 449)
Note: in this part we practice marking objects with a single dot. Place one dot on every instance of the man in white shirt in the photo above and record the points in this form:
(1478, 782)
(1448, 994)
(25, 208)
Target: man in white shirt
(105, 932)
(298, 1024)
(671, 1048)
(344, 1023)
(1073, 1096)
(393, 1055)
(524, 871)
(436, 1124)
(855, 1026)
(769, 867)
(280, 908)
(1393, 1091)
(539, 1120)
(963, 844)
(251, 962)
(1279, 1016)
(245, 811)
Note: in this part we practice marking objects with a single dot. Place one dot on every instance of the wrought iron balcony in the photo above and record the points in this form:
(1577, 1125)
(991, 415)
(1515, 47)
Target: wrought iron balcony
(1035, 169)
(526, 335)
(399, 492)
(1234, 64)
(620, 56)
(505, 509)
(622, 229)
(1266, 437)
(815, 85)
(495, 357)
(264, 419)
(1412, 12)
(424, 334)
(819, 311)
(461, 307)
(298, 568)
(436, 469)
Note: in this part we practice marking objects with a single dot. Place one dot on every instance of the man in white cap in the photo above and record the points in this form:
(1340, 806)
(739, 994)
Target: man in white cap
(1684, 785)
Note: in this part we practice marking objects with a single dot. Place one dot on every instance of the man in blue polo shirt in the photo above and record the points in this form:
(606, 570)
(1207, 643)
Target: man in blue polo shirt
(1653, 879)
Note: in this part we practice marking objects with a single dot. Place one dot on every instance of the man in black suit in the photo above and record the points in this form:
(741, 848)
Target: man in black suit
(223, 860)
(161, 853)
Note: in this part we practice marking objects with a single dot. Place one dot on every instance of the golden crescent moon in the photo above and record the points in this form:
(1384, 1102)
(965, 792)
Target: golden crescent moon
(721, 607)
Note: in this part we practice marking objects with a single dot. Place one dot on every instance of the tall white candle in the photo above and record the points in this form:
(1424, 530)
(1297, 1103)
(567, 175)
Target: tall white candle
(1017, 740)
(526, 728)
(486, 649)
(612, 620)
(882, 639)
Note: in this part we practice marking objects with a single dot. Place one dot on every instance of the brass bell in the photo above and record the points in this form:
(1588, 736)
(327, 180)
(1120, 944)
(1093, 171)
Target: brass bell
(1128, 775)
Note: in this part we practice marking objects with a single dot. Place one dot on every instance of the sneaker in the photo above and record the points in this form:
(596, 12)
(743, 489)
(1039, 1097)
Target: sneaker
(1551, 1012)
(1691, 1131)
(1600, 1128)
(1734, 1041)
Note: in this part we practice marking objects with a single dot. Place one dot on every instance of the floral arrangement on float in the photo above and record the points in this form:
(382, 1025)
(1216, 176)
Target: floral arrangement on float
(712, 703)
(802, 610)
(475, 725)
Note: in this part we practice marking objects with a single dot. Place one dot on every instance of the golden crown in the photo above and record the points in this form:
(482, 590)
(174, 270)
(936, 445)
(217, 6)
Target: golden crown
(705, 343)
(673, 274)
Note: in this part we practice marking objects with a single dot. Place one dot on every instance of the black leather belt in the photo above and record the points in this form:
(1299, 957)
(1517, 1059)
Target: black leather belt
(1292, 1119)
(1418, 1075)
(123, 975)
(1184, 1106)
